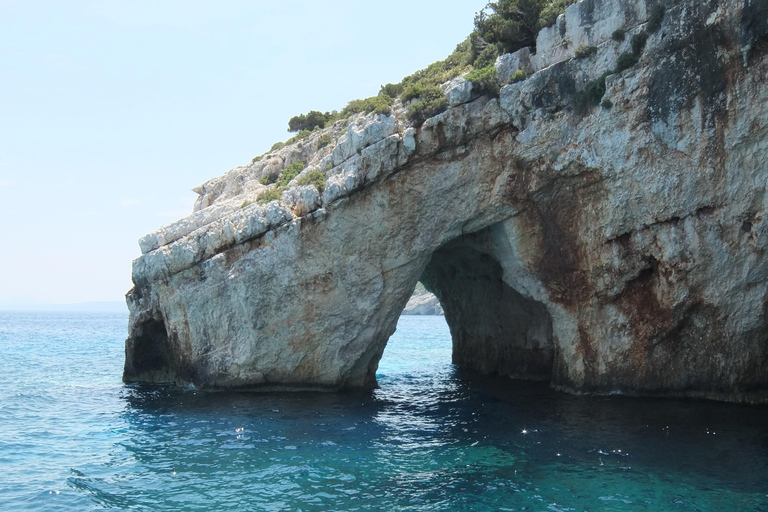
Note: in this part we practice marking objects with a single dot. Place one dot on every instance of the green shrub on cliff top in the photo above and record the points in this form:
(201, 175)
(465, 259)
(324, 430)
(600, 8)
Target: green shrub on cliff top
(309, 121)
(485, 81)
(501, 27)
(513, 24)
(550, 12)
(431, 102)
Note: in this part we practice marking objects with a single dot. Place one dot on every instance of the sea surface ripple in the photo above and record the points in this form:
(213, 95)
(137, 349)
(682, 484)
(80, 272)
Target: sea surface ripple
(73, 437)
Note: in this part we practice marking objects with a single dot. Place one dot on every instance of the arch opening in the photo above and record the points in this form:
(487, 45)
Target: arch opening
(494, 328)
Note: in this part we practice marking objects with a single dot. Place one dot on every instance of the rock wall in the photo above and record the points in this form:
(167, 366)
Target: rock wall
(423, 304)
(615, 248)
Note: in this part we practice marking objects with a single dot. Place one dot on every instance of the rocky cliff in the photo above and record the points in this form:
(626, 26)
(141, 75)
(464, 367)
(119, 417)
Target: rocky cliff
(618, 247)
(423, 304)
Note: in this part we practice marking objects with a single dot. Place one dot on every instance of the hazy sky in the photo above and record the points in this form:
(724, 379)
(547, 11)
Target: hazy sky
(111, 111)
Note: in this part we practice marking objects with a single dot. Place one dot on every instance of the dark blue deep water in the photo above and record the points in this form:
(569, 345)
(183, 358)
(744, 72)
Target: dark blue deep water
(433, 438)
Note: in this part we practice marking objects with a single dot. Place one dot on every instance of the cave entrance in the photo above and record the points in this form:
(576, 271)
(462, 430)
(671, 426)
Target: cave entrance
(494, 328)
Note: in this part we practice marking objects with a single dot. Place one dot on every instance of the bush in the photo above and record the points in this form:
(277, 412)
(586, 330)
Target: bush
(412, 92)
(268, 195)
(519, 76)
(277, 146)
(638, 42)
(625, 61)
(324, 140)
(584, 51)
(607, 104)
(309, 121)
(381, 104)
(391, 90)
(509, 24)
(487, 57)
(654, 21)
(431, 102)
(316, 178)
(619, 35)
(289, 173)
(485, 81)
(549, 14)
(268, 179)
(592, 93)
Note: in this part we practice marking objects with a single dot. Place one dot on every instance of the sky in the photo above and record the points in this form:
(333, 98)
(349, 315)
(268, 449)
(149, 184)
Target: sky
(111, 111)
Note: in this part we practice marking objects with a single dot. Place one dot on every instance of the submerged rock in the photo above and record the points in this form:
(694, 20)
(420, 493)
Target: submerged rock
(613, 248)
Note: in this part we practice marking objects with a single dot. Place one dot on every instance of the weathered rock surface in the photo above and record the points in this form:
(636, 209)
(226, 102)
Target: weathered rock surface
(423, 304)
(610, 250)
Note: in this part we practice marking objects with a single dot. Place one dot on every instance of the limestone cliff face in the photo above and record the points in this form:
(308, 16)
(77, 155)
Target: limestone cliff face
(602, 249)
(423, 304)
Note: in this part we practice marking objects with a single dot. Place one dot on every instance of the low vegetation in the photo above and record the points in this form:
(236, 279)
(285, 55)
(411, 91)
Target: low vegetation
(271, 194)
(309, 121)
(289, 173)
(485, 81)
(583, 51)
(625, 61)
(316, 178)
(638, 42)
(519, 76)
(550, 12)
(592, 93)
(430, 102)
(654, 21)
(323, 140)
(268, 179)
(503, 26)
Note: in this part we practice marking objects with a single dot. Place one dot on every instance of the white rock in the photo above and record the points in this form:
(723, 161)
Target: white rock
(458, 91)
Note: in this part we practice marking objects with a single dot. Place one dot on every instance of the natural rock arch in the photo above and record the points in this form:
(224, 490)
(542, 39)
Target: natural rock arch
(618, 249)
(495, 329)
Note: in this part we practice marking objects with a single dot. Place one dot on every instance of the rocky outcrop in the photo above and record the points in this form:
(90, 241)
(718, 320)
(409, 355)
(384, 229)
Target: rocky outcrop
(613, 248)
(423, 304)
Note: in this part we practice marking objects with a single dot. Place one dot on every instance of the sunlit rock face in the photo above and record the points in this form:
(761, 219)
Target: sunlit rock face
(614, 248)
(423, 304)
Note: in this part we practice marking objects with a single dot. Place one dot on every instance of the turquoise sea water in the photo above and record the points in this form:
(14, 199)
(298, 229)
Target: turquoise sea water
(433, 438)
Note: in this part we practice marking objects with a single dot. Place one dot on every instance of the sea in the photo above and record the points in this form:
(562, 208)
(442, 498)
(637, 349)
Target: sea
(433, 437)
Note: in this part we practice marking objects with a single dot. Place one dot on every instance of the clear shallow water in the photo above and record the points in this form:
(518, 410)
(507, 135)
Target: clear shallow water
(74, 438)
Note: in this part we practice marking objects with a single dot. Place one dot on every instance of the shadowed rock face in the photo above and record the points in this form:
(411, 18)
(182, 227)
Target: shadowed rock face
(494, 328)
(615, 249)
